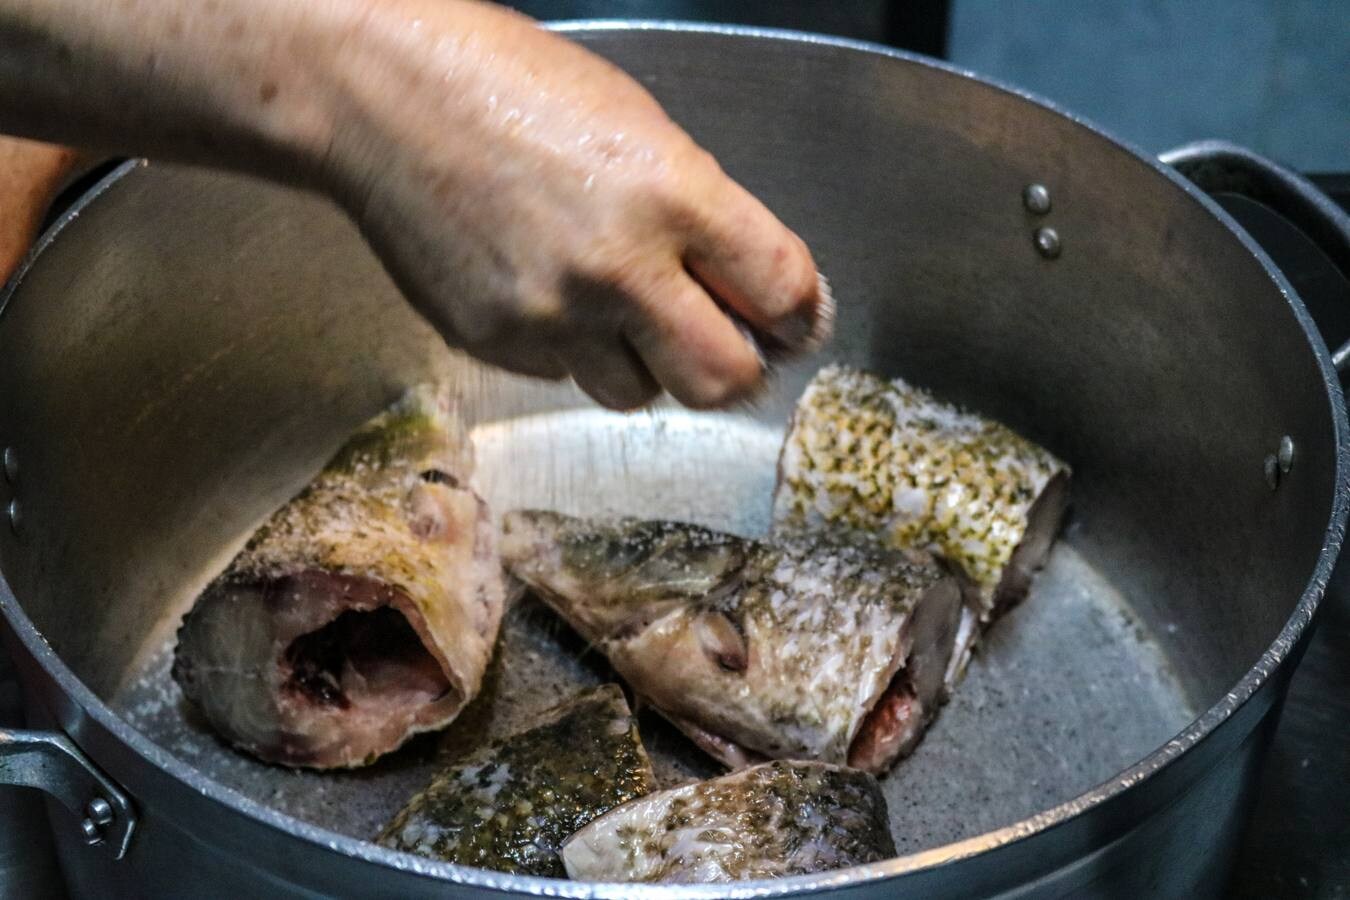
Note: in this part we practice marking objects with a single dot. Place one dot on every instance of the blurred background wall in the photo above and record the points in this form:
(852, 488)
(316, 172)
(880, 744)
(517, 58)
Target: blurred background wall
(1273, 75)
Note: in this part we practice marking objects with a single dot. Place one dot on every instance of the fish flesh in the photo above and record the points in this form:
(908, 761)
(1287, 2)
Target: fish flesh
(360, 613)
(768, 821)
(809, 647)
(883, 457)
(510, 804)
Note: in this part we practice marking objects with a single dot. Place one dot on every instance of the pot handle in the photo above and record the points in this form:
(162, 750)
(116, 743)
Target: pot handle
(1221, 167)
(51, 763)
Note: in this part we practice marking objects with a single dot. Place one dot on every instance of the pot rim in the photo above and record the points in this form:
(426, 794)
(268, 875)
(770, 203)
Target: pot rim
(1270, 661)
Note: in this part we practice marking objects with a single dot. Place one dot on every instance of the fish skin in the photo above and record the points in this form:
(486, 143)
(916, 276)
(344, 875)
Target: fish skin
(509, 805)
(389, 523)
(756, 650)
(768, 821)
(880, 456)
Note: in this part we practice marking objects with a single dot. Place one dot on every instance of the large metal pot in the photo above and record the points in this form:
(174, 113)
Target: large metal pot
(187, 347)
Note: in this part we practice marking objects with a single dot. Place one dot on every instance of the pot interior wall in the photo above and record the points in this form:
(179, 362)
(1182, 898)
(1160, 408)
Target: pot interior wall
(190, 349)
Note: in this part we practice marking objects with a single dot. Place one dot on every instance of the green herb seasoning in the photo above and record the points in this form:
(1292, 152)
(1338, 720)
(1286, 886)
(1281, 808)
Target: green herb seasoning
(510, 804)
(767, 821)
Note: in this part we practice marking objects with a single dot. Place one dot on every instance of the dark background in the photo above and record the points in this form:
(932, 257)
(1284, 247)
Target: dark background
(1272, 75)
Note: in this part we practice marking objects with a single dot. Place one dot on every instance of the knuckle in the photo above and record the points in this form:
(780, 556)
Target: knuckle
(791, 298)
(671, 190)
(666, 185)
(696, 159)
(609, 271)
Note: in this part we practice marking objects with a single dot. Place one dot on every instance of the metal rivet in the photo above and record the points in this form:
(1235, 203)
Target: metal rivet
(15, 516)
(1047, 242)
(1272, 469)
(1286, 454)
(11, 465)
(92, 834)
(100, 811)
(1036, 198)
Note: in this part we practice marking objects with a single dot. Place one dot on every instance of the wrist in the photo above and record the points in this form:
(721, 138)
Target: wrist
(280, 95)
(404, 79)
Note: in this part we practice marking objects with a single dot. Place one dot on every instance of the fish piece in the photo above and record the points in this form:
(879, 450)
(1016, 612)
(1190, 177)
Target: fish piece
(884, 457)
(768, 821)
(360, 613)
(806, 648)
(510, 804)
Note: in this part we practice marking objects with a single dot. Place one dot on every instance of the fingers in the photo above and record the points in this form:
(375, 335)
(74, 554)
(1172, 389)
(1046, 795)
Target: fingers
(522, 358)
(692, 348)
(751, 262)
(676, 338)
(612, 373)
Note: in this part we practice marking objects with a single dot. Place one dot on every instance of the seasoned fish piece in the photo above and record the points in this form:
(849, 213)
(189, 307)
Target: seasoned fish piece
(363, 611)
(767, 821)
(884, 457)
(509, 805)
(808, 648)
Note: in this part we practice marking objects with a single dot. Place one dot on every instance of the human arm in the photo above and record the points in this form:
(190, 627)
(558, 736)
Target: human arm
(531, 200)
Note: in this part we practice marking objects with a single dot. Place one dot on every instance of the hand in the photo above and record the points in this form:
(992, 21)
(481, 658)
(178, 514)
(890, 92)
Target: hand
(547, 216)
(531, 200)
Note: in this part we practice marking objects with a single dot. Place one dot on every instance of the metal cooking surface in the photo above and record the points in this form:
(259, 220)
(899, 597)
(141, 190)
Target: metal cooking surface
(231, 334)
(1068, 689)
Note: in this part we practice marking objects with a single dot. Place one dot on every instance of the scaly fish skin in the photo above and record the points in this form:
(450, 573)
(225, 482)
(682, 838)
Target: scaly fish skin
(768, 821)
(360, 613)
(886, 458)
(510, 804)
(755, 650)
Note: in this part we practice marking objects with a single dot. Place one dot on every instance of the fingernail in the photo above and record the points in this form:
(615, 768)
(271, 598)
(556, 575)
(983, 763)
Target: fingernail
(823, 326)
(806, 333)
(793, 333)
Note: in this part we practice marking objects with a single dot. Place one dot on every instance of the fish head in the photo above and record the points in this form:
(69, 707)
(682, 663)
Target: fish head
(362, 611)
(607, 578)
(421, 434)
(409, 466)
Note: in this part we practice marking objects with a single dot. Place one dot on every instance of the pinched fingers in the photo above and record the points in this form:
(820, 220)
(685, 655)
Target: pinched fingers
(611, 372)
(757, 267)
(691, 347)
